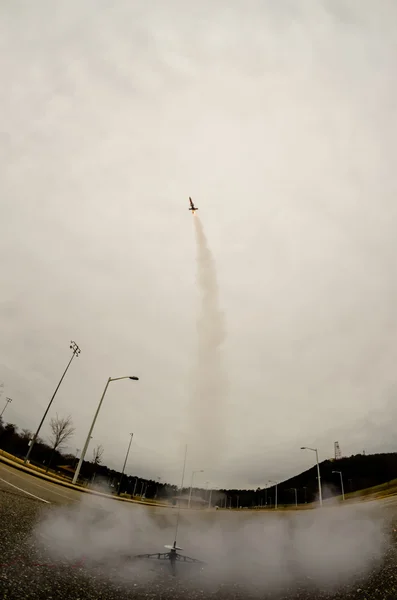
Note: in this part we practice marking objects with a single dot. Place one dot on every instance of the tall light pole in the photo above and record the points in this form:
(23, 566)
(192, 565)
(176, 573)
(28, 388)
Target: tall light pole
(8, 400)
(275, 504)
(320, 495)
(77, 472)
(125, 462)
(341, 483)
(210, 498)
(75, 352)
(191, 484)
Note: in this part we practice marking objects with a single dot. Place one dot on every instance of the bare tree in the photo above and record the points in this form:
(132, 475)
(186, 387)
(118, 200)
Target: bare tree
(98, 452)
(62, 429)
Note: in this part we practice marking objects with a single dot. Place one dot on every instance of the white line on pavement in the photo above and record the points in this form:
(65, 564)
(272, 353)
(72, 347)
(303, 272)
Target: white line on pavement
(24, 491)
(43, 487)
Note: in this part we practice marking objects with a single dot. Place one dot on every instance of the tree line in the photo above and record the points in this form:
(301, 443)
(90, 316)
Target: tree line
(359, 471)
(50, 456)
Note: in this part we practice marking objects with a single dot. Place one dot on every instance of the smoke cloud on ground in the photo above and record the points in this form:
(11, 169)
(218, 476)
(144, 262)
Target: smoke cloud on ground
(322, 548)
(207, 425)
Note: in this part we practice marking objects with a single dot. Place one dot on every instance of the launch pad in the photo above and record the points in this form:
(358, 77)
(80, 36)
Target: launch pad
(172, 556)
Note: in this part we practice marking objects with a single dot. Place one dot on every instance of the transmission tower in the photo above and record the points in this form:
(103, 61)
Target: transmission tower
(338, 453)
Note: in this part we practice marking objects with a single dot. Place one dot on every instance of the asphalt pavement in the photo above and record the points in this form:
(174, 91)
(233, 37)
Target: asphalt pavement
(30, 570)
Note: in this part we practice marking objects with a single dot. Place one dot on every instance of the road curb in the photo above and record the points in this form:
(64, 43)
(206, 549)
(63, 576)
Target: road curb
(76, 488)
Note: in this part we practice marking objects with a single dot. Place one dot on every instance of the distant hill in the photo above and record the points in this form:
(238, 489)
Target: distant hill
(359, 471)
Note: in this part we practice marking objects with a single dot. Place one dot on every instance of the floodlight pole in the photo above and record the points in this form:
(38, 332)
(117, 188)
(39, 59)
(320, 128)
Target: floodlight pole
(75, 352)
(8, 400)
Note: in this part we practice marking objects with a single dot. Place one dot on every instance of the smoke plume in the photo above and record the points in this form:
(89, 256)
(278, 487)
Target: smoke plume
(319, 549)
(209, 384)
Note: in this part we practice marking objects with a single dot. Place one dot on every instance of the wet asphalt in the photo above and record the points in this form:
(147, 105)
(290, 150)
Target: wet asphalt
(28, 572)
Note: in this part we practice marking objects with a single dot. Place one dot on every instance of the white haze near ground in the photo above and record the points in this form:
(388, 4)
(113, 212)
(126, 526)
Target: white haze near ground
(323, 548)
(208, 408)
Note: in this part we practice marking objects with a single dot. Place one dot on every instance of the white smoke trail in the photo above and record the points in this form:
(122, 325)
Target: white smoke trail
(209, 389)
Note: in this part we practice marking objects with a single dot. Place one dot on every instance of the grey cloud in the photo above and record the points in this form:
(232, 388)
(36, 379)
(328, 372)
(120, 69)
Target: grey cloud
(280, 121)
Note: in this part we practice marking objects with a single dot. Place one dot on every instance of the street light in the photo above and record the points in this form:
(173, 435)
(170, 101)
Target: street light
(75, 352)
(8, 400)
(275, 504)
(125, 462)
(77, 472)
(210, 498)
(191, 484)
(341, 483)
(318, 472)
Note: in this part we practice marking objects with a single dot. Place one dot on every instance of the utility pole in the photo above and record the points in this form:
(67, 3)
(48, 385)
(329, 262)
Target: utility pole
(75, 352)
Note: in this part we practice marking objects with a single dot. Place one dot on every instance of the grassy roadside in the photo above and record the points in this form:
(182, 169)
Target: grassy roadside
(63, 481)
(31, 467)
(378, 491)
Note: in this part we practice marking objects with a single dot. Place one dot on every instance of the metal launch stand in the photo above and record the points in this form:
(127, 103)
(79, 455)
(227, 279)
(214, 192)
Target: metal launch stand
(173, 555)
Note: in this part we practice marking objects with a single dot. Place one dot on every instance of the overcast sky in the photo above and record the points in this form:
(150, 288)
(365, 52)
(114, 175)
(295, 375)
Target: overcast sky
(280, 120)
